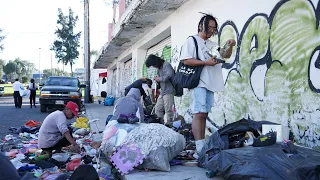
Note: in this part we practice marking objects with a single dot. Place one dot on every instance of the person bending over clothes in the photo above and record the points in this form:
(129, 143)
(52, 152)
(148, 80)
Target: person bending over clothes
(54, 132)
(129, 107)
(139, 85)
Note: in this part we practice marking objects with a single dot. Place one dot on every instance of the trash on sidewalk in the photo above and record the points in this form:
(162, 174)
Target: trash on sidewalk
(240, 150)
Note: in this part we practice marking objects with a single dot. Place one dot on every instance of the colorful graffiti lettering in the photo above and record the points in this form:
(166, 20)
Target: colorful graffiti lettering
(164, 54)
(274, 71)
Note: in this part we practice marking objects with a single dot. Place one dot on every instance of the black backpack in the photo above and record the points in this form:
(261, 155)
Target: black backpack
(188, 76)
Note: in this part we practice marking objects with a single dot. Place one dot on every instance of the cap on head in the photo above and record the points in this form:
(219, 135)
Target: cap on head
(73, 107)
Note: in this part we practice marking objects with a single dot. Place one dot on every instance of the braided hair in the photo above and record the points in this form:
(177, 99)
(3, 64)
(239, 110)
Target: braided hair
(204, 23)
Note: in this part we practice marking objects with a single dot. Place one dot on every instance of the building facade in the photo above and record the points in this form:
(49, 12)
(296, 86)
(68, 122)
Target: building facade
(273, 73)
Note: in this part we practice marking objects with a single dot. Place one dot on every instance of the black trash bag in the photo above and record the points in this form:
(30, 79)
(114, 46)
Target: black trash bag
(238, 129)
(270, 162)
(265, 140)
(212, 146)
(152, 119)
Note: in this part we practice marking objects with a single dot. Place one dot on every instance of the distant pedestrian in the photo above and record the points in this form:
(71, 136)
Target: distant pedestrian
(33, 91)
(17, 86)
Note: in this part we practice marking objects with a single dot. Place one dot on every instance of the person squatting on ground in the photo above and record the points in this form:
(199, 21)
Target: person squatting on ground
(165, 101)
(211, 79)
(54, 132)
(129, 108)
(33, 91)
(17, 86)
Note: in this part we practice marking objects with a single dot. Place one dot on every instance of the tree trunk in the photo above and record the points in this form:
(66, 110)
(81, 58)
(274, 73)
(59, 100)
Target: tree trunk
(71, 69)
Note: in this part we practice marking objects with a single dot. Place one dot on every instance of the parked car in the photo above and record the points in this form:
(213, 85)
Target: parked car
(58, 90)
(1, 90)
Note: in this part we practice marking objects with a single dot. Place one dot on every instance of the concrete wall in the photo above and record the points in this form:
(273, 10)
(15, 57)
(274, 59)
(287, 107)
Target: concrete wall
(274, 71)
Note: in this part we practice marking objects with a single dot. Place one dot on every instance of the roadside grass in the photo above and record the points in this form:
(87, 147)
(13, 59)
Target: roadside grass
(8, 89)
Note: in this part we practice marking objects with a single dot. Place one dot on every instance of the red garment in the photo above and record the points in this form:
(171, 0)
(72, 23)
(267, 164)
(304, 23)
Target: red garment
(32, 123)
(71, 166)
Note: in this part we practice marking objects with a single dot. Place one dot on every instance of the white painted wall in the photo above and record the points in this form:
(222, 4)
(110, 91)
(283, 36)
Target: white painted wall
(287, 91)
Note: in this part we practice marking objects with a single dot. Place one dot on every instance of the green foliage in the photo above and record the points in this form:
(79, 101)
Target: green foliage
(9, 68)
(2, 63)
(67, 43)
(25, 79)
(18, 69)
(93, 53)
(54, 72)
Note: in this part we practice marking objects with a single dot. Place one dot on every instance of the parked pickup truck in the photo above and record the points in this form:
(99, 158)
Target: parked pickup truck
(58, 90)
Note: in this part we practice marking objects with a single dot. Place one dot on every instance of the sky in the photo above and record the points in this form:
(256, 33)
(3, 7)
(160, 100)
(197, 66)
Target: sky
(30, 25)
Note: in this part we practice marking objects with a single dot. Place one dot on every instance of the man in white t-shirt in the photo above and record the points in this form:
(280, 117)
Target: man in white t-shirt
(211, 79)
(17, 86)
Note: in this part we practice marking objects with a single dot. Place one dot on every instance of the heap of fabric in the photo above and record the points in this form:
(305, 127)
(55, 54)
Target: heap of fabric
(24, 155)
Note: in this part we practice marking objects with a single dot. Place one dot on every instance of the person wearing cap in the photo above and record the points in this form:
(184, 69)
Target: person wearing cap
(54, 132)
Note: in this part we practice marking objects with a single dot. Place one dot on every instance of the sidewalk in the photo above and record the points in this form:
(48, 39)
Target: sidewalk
(101, 112)
(98, 113)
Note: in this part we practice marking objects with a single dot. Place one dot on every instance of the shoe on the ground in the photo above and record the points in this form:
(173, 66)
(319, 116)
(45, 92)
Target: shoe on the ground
(133, 119)
(123, 118)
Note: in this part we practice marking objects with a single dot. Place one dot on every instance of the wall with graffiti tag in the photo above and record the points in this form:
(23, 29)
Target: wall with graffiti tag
(274, 72)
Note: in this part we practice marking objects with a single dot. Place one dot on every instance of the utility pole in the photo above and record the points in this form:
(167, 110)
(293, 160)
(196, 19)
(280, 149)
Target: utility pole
(51, 66)
(87, 50)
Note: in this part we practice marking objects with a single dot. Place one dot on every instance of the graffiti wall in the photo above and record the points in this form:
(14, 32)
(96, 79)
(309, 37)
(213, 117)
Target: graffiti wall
(164, 53)
(126, 77)
(274, 72)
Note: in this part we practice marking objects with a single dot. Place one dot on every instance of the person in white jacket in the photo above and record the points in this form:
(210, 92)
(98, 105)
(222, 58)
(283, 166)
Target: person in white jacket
(17, 86)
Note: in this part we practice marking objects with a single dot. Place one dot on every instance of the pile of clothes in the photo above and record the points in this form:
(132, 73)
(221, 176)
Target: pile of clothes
(21, 147)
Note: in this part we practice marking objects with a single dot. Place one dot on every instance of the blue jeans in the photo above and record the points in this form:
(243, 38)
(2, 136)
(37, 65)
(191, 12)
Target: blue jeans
(202, 100)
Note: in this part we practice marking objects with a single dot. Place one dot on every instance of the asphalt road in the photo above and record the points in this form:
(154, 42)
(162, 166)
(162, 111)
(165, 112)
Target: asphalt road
(14, 117)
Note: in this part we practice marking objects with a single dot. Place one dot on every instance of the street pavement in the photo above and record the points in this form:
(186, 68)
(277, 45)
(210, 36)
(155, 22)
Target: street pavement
(14, 117)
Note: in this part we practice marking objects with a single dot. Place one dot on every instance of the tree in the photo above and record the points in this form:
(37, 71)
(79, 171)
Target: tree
(67, 43)
(9, 69)
(1, 39)
(25, 79)
(2, 63)
(93, 53)
(54, 72)
(24, 68)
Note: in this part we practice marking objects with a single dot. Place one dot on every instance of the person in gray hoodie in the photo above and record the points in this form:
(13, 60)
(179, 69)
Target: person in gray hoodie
(165, 101)
(130, 104)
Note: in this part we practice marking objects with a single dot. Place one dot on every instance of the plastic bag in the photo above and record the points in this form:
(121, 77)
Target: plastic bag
(23, 92)
(81, 122)
(109, 101)
(61, 157)
(114, 134)
(158, 143)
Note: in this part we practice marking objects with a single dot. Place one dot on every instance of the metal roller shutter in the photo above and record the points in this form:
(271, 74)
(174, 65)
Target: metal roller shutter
(163, 50)
(126, 76)
(114, 82)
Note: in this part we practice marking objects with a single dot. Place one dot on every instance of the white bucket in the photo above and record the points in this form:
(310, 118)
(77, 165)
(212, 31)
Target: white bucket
(282, 131)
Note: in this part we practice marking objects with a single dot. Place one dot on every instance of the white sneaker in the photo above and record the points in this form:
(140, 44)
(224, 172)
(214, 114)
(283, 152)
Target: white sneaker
(195, 155)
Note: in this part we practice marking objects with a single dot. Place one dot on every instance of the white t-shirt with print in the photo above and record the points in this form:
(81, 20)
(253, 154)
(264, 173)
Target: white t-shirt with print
(211, 76)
